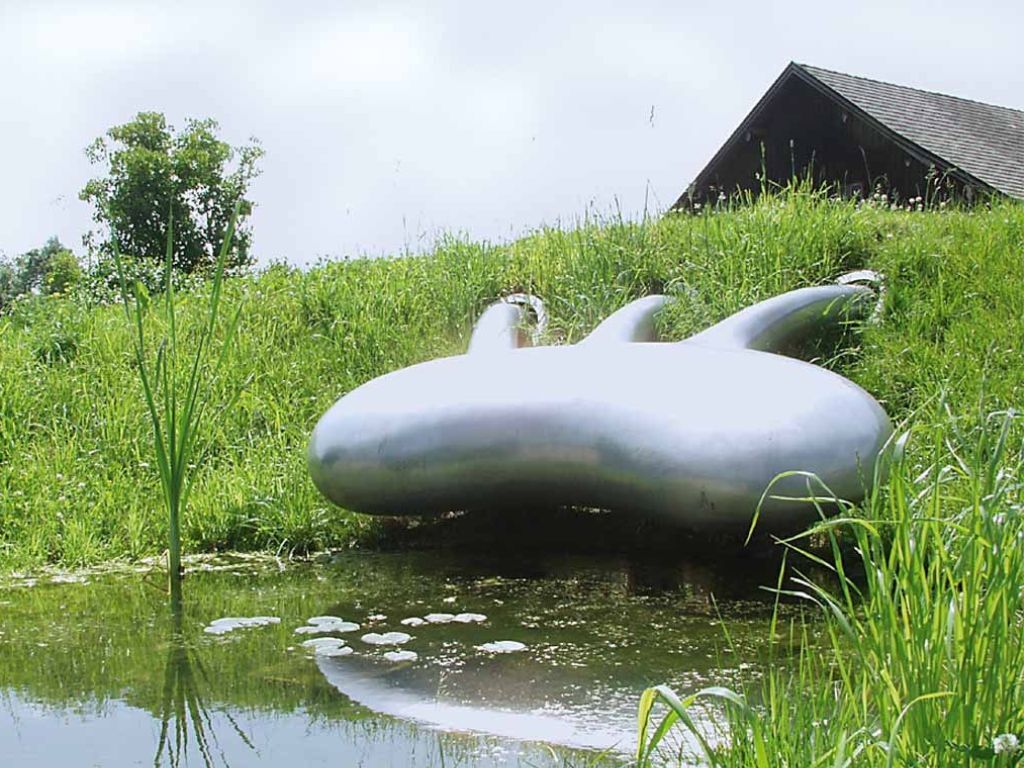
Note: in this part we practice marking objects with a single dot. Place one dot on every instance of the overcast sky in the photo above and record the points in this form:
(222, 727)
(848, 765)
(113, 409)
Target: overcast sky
(387, 123)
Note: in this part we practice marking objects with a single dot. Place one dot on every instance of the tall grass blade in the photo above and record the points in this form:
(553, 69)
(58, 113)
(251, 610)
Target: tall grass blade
(177, 391)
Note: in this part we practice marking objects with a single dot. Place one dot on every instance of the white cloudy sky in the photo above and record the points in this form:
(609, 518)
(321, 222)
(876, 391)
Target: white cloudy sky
(386, 123)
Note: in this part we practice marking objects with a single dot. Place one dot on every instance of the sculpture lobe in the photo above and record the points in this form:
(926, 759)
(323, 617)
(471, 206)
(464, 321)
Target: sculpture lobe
(693, 431)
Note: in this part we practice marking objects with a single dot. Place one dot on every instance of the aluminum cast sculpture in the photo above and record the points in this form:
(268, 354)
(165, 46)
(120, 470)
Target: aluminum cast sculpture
(694, 430)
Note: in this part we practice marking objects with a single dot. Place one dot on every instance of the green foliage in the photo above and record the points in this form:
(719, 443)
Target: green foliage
(51, 269)
(148, 163)
(177, 386)
(914, 652)
(8, 283)
(307, 337)
(63, 273)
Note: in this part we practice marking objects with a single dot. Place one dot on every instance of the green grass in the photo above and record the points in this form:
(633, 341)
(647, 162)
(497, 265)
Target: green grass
(177, 385)
(78, 484)
(911, 654)
(915, 654)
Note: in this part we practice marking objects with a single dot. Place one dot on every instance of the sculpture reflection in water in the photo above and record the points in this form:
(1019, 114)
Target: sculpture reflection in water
(693, 431)
(185, 718)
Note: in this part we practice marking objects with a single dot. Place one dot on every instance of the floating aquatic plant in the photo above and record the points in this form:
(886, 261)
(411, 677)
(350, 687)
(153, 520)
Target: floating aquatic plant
(440, 618)
(388, 638)
(322, 625)
(334, 651)
(401, 656)
(469, 618)
(413, 621)
(327, 646)
(502, 646)
(231, 623)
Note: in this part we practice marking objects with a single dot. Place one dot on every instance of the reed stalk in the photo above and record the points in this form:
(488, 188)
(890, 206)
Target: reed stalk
(177, 385)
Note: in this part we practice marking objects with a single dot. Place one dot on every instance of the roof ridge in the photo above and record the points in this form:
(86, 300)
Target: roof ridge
(810, 68)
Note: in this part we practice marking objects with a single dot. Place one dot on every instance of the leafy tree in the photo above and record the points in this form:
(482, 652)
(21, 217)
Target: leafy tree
(49, 269)
(62, 273)
(153, 172)
(8, 280)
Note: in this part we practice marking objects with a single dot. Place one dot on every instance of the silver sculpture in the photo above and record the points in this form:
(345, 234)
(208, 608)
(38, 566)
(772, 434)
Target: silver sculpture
(694, 430)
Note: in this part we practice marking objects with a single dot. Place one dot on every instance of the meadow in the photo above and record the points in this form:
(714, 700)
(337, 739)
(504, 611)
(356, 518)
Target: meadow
(917, 658)
(77, 480)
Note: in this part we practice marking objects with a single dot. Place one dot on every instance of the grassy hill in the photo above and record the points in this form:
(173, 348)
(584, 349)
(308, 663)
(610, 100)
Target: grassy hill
(76, 484)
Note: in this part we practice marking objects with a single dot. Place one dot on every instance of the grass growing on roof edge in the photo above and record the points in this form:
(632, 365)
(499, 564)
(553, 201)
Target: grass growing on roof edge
(75, 485)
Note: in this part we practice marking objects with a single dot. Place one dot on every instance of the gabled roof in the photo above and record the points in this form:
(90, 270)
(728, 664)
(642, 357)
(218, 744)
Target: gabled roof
(984, 140)
(977, 143)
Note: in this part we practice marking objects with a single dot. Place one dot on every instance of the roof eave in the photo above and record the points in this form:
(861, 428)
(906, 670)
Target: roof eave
(736, 135)
(912, 148)
(793, 69)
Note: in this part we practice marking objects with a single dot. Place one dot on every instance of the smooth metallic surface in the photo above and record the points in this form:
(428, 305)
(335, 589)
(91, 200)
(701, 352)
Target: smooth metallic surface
(506, 324)
(426, 694)
(693, 430)
(634, 322)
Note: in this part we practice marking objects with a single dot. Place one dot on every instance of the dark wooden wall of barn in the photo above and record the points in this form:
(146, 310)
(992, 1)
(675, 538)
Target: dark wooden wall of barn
(801, 132)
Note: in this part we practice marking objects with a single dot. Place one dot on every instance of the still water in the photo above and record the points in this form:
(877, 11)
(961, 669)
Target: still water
(98, 672)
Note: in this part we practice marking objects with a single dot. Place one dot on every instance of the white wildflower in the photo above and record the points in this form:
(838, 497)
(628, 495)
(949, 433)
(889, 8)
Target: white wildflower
(1006, 744)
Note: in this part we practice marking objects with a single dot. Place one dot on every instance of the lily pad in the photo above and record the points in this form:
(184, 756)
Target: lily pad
(440, 618)
(502, 646)
(388, 638)
(414, 621)
(336, 625)
(470, 618)
(231, 623)
(331, 653)
(401, 656)
(322, 645)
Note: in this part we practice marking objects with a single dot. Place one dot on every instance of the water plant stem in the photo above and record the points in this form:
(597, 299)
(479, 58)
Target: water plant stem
(177, 387)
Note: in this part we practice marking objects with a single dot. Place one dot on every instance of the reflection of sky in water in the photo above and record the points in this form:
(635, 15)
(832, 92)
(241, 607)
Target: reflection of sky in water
(576, 694)
(121, 735)
(92, 688)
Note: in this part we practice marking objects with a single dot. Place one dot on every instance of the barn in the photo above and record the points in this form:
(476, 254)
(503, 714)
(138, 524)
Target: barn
(861, 136)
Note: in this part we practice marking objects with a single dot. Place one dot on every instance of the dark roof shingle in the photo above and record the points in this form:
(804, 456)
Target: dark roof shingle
(984, 140)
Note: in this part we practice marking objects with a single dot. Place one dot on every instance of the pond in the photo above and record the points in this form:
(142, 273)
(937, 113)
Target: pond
(95, 670)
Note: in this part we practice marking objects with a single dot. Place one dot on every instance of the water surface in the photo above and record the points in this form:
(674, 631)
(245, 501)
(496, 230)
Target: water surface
(101, 673)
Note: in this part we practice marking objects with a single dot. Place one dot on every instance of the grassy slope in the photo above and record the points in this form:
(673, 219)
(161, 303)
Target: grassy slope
(75, 484)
